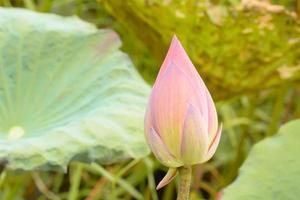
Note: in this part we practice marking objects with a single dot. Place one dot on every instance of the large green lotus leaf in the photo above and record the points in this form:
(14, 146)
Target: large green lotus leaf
(66, 92)
(272, 170)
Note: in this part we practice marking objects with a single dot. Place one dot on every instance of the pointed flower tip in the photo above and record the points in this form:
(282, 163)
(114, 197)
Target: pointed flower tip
(174, 38)
(177, 52)
(175, 41)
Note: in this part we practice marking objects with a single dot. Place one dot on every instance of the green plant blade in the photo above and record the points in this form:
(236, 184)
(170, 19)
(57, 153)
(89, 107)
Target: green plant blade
(66, 92)
(272, 170)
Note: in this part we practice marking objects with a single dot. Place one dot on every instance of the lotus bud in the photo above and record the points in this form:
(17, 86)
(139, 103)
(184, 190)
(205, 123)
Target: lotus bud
(181, 122)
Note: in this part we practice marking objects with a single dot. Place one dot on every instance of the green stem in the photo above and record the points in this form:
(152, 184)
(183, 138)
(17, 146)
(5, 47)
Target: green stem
(185, 174)
(278, 110)
(75, 181)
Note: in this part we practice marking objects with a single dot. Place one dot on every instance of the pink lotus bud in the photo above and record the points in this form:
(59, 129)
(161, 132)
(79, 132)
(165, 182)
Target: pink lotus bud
(181, 122)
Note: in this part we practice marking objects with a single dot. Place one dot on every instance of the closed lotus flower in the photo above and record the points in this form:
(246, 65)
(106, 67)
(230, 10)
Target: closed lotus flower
(181, 123)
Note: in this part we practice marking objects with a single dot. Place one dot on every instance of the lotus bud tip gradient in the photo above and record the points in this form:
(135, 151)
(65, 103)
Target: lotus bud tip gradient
(181, 122)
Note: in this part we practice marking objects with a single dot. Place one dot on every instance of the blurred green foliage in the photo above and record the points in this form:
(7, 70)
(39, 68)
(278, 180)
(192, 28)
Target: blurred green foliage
(235, 45)
(248, 54)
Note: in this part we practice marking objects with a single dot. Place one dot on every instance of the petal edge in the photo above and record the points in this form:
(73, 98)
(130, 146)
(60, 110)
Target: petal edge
(171, 174)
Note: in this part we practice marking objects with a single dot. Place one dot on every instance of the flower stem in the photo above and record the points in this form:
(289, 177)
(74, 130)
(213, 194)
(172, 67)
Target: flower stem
(185, 174)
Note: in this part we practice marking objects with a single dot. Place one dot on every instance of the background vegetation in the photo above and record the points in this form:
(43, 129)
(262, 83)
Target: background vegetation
(247, 52)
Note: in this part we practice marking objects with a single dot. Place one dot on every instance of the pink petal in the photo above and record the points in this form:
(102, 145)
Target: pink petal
(177, 55)
(176, 131)
(212, 117)
(214, 144)
(172, 172)
(160, 150)
(195, 139)
(168, 105)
